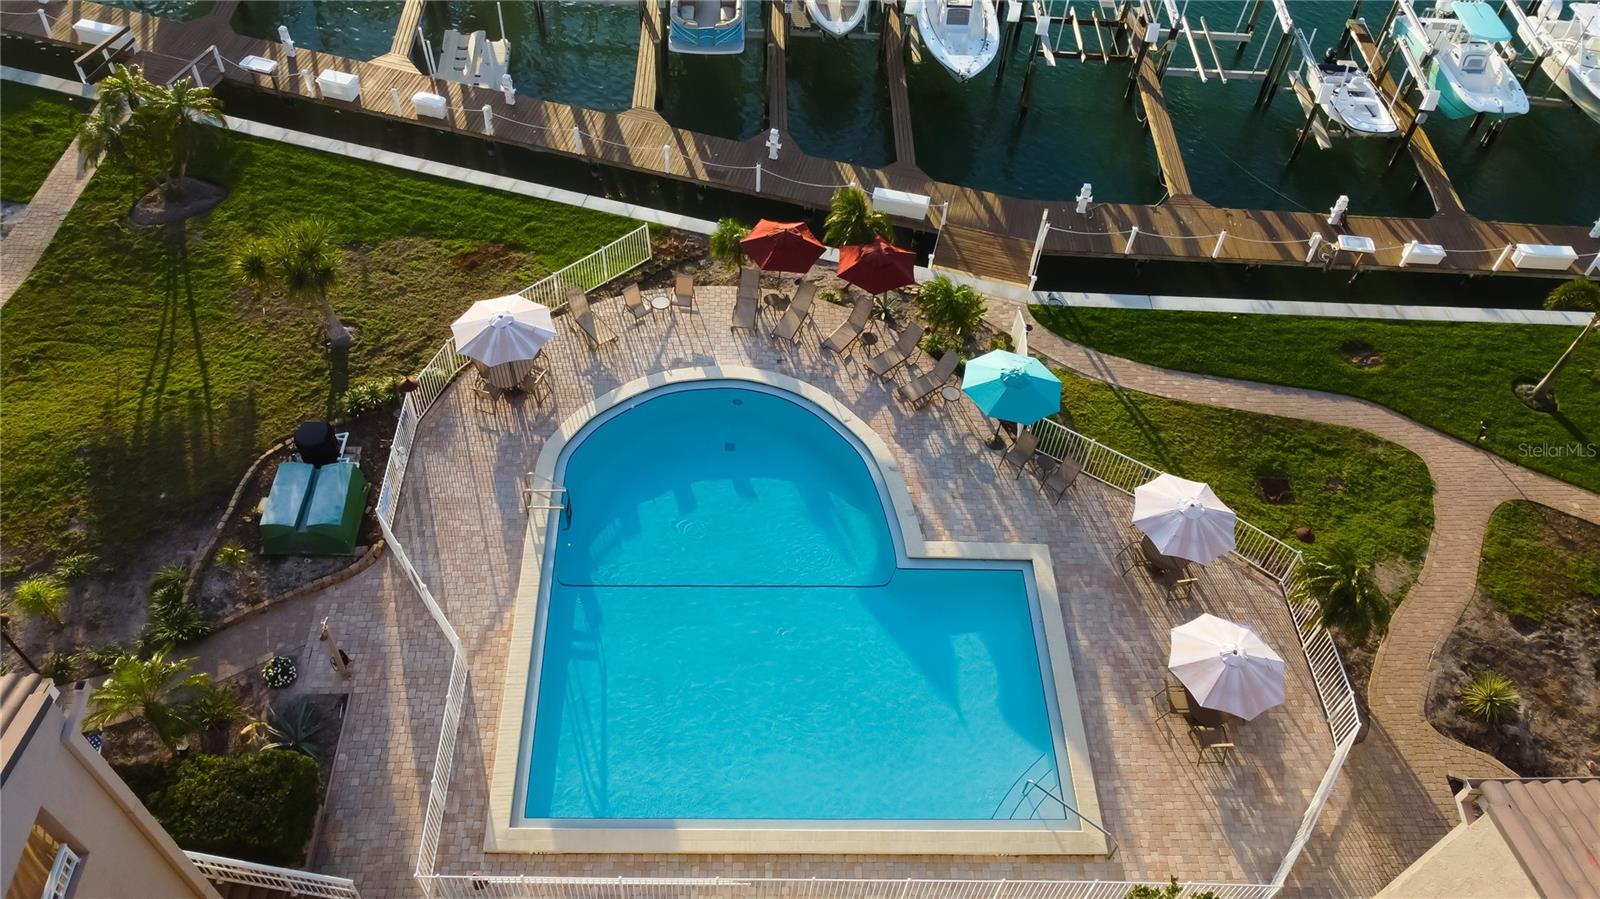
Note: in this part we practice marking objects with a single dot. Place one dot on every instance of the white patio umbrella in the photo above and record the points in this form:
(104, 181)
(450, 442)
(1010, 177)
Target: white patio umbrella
(503, 330)
(1184, 518)
(1019, 335)
(1227, 666)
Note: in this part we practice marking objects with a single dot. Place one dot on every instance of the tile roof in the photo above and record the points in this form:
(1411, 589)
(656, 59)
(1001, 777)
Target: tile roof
(1553, 827)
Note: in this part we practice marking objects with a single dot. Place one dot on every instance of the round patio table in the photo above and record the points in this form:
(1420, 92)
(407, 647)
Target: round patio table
(951, 393)
(777, 302)
(660, 302)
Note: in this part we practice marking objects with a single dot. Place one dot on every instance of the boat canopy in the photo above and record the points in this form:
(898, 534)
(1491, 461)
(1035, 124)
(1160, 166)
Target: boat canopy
(1481, 21)
(1589, 15)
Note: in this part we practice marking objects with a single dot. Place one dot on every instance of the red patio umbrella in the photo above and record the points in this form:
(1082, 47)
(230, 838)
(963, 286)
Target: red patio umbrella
(782, 246)
(877, 267)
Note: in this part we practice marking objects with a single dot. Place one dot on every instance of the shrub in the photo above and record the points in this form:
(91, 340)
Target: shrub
(369, 395)
(852, 220)
(169, 580)
(1001, 341)
(60, 667)
(725, 246)
(279, 672)
(1341, 581)
(1171, 891)
(76, 565)
(232, 555)
(212, 714)
(147, 779)
(259, 807)
(173, 620)
(937, 343)
(295, 729)
(1577, 295)
(834, 297)
(43, 595)
(952, 308)
(1491, 698)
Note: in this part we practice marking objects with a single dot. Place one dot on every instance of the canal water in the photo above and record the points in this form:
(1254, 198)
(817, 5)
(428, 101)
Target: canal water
(1076, 129)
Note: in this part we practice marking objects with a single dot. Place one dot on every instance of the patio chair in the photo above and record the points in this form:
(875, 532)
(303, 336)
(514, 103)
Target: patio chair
(748, 304)
(1061, 479)
(583, 317)
(683, 293)
(844, 336)
(1021, 452)
(1214, 740)
(799, 311)
(919, 391)
(885, 363)
(634, 302)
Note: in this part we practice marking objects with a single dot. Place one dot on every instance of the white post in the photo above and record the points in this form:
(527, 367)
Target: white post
(1085, 197)
(45, 21)
(1216, 251)
(217, 56)
(286, 41)
(1038, 242)
(508, 90)
(394, 98)
(577, 140)
(1316, 241)
(758, 177)
(336, 656)
(1595, 231)
(666, 159)
(1594, 266)
(1504, 255)
(488, 119)
(1340, 207)
(1133, 234)
(310, 83)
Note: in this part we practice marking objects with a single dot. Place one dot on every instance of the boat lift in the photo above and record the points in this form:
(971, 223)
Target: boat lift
(1541, 48)
(1416, 69)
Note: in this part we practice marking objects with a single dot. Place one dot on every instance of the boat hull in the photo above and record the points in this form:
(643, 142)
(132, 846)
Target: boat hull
(1584, 92)
(962, 65)
(818, 13)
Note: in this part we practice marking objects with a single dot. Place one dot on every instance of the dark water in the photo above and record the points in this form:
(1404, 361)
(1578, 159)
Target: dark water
(1077, 129)
(167, 9)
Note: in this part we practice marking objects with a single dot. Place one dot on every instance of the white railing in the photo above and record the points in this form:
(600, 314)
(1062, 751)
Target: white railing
(287, 880)
(621, 255)
(532, 887)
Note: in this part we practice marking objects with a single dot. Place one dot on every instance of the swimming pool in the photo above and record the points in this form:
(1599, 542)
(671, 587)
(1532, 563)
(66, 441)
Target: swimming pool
(732, 633)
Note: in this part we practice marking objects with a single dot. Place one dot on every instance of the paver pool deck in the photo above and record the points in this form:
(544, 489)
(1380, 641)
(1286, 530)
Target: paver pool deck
(461, 522)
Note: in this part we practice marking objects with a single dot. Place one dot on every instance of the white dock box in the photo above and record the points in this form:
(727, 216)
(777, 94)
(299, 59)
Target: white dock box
(339, 85)
(1421, 254)
(90, 32)
(431, 105)
(1543, 257)
(259, 65)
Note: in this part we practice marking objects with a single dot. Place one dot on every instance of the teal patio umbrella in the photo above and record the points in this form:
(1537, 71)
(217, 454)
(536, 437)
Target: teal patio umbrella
(1010, 387)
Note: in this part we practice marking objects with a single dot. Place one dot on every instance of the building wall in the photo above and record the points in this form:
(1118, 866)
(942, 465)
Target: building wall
(1470, 862)
(66, 786)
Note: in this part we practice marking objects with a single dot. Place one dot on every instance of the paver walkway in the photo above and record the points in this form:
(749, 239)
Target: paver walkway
(1469, 484)
(54, 199)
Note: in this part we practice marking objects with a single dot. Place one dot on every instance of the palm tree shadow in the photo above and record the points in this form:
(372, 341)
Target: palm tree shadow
(338, 377)
(178, 259)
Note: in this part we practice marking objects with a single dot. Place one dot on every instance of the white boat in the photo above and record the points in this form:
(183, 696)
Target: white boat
(1570, 47)
(1465, 67)
(837, 17)
(706, 26)
(1350, 102)
(963, 35)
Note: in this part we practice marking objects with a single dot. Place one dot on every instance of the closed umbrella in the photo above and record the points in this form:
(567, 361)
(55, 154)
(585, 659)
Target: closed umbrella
(877, 267)
(782, 246)
(502, 330)
(1226, 666)
(1009, 387)
(1184, 518)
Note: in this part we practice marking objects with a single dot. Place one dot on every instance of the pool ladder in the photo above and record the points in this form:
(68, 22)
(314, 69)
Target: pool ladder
(546, 499)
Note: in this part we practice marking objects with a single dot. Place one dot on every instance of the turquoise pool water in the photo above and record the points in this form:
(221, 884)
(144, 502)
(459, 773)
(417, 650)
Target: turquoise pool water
(729, 636)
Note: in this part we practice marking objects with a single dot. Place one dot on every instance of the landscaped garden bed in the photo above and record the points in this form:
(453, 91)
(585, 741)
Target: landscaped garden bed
(1519, 677)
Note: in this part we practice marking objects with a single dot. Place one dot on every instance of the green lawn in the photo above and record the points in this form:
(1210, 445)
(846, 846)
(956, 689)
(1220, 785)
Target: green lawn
(1448, 376)
(35, 127)
(140, 376)
(1535, 560)
(1348, 485)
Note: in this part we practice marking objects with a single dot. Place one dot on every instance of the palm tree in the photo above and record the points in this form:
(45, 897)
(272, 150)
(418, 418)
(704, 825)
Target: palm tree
(725, 246)
(153, 129)
(1578, 295)
(852, 220)
(1342, 583)
(151, 690)
(301, 259)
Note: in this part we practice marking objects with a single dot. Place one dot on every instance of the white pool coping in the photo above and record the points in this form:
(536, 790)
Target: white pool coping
(507, 832)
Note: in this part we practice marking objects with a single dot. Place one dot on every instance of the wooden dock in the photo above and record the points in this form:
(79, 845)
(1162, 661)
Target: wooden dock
(652, 58)
(405, 36)
(1169, 154)
(894, 58)
(988, 232)
(1429, 167)
(777, 68)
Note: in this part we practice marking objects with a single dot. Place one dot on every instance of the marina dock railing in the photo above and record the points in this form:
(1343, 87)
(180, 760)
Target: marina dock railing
(1267, 554)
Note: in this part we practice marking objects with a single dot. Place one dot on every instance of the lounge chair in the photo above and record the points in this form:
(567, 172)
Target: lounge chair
(634, 302)
(884, 364)
(583, 317)
(1021, 452)
(683, 293)
(1060, 479)
(799, 310)
(748, 304)
(846, 334)
(917, 392)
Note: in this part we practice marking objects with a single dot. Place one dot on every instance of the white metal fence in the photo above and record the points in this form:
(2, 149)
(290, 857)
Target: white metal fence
(528, 887)
(621, 255)
(295, 883)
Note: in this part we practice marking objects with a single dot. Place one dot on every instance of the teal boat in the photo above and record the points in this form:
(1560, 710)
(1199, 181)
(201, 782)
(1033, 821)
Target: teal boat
(706, 27)
(1458, 50)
